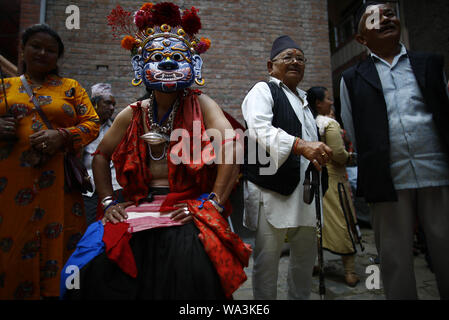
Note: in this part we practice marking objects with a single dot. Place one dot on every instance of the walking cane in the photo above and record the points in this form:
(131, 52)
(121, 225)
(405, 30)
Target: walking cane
(350, 221)
(311, 190)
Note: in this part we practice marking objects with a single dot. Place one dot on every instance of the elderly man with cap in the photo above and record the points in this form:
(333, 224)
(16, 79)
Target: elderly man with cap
(278, 119)
(104, 103)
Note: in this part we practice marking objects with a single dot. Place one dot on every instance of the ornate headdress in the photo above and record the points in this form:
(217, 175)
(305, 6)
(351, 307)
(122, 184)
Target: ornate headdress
(155, 23)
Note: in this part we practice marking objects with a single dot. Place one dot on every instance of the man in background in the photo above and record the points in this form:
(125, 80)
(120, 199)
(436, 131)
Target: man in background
(104, 103)
(395, 108)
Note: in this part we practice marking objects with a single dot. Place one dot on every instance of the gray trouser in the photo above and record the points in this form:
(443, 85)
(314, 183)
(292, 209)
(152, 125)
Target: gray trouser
(266, 255)
(393, 224)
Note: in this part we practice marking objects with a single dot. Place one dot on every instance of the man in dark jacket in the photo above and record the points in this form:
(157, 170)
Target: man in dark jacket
(395, 107)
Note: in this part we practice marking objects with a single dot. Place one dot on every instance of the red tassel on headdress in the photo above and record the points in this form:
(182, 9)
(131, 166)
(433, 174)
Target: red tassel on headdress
(166, 13)
(121, 21)
(191, 23)
(138, 25)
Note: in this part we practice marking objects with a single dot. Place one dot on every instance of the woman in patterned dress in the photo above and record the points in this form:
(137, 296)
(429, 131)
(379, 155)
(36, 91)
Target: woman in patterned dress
(40, 224)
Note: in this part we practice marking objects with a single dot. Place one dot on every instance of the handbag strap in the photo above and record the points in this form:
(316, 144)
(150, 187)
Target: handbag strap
(35, 102)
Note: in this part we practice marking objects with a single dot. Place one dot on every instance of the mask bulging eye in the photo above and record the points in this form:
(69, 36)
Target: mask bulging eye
(177, 57)
(157, 57)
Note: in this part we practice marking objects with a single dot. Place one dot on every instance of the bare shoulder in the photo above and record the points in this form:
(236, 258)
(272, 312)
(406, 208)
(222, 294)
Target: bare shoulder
(212, 113)
(210, 108)
(207, 103)
(118, 129)
(124, 117)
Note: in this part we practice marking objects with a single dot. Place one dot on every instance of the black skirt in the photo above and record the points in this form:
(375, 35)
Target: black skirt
(171, 264)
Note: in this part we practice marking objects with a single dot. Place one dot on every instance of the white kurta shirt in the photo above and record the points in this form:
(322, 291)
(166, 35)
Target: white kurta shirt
(281, 211)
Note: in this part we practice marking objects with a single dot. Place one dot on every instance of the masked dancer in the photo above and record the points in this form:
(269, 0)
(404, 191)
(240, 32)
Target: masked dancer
(164, 159)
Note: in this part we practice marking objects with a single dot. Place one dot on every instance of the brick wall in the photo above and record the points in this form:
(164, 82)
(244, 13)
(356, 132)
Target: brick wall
(29, 15)
(241, 32)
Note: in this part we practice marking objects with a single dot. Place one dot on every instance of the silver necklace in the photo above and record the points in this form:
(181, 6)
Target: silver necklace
(162, 156)
(159, 133)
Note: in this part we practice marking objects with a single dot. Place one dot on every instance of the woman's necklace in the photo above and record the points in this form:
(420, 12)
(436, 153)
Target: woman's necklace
(158, 132)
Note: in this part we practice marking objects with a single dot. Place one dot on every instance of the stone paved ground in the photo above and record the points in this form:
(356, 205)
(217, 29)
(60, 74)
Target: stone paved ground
(336, 289)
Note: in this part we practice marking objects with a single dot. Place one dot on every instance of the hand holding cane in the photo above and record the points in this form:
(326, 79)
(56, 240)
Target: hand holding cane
(312, 190)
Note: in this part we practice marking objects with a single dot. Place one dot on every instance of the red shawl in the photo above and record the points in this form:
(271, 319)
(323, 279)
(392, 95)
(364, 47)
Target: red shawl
(187, 181)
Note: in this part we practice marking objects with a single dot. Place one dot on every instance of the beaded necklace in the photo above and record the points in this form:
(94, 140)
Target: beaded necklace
(159, 133)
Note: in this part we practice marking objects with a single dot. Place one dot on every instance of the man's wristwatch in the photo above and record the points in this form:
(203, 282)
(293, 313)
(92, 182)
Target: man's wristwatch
(106, 201)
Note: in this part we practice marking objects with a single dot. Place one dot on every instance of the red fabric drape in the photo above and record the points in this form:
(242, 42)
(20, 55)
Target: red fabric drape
(187, 181)
(228, 253)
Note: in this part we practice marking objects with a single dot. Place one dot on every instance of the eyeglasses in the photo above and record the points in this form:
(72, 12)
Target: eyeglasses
(290, 59)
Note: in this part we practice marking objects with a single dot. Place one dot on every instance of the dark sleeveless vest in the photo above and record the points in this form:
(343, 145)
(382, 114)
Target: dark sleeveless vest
(287, 177)
(369, 114)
